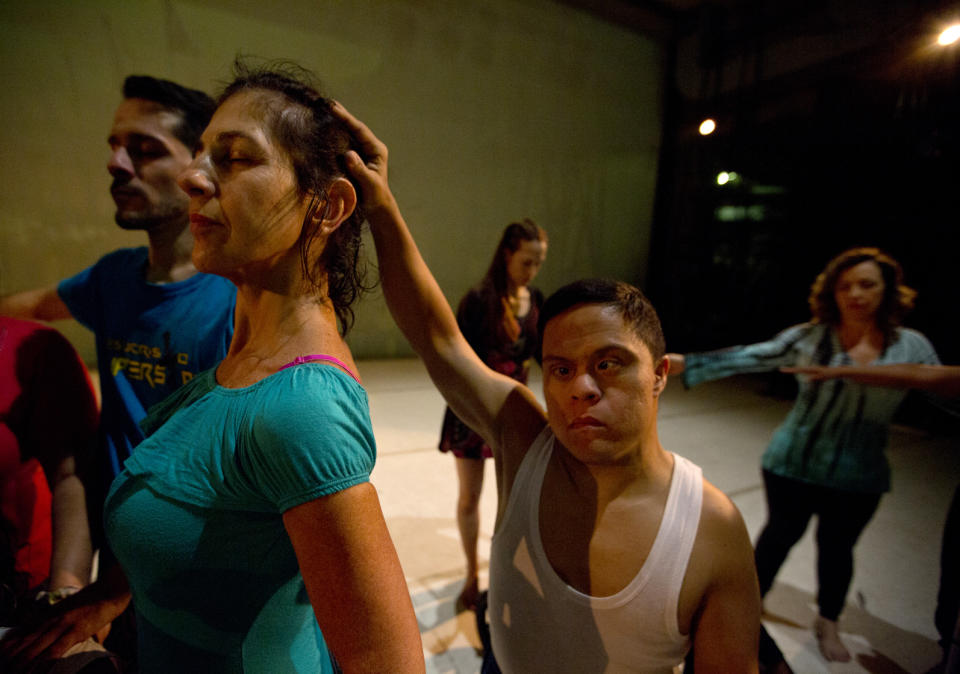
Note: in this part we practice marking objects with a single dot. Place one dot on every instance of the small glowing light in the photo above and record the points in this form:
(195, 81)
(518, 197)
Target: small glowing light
(733, 176)
(950, 35)
(723, 178)
(707, 127)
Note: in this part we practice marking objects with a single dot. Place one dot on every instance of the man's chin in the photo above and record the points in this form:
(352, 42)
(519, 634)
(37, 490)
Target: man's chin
(132, 224)
(139, 221)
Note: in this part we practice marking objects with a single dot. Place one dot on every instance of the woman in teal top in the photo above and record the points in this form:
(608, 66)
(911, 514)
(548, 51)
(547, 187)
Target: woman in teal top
(246, 524)
(828, 457)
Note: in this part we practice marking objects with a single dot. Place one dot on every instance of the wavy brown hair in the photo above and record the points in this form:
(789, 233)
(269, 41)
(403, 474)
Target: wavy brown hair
(897, 298)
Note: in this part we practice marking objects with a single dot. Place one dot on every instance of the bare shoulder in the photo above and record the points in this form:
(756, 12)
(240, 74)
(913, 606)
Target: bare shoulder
(722, 539)
(722, 553)
(720, 517)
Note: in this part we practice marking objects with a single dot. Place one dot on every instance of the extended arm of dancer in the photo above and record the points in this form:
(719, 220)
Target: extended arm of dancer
(473, 391)
(780, 351)
(40, 304)
(940, 379)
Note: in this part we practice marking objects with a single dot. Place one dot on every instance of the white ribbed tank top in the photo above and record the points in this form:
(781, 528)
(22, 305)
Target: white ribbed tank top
(538, 623)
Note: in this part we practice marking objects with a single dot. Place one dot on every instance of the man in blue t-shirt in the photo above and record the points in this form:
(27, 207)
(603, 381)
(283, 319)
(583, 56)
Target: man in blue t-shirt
(157, 321)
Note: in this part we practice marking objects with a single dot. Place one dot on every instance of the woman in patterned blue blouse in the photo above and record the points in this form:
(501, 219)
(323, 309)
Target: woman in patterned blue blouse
(828, 457)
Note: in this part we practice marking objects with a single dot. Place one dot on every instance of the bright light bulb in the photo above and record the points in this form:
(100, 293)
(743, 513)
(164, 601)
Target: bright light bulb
(723, 178)
(950, 35)
(707, 127)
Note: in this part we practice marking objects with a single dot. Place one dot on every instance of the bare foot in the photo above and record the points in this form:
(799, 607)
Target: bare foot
(828, 638)
(468, 595)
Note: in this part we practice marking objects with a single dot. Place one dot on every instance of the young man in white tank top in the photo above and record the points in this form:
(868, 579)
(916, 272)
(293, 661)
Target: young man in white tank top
(610, 554)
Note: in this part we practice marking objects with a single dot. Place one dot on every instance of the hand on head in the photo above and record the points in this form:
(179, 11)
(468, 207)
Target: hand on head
(369, 170)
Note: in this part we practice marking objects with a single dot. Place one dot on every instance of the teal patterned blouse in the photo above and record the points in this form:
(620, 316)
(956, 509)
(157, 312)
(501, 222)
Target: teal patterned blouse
(836, 434)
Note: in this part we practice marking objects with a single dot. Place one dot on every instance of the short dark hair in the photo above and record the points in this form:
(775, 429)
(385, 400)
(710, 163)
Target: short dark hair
(634, 307)
(301, 121)
(897, 298)
(194, 106)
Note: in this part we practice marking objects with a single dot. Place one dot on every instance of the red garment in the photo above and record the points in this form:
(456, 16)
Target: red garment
(47, 410)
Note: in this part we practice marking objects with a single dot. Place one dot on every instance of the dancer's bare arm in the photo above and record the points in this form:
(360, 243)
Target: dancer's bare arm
(474, 392)
(940, 379)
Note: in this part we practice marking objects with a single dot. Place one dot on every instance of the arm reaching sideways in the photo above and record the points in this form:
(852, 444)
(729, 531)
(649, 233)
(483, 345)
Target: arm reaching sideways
(677, 363)
(726, 625)
(940, 379)
(475, 393)
(355, 582)
(41, 304)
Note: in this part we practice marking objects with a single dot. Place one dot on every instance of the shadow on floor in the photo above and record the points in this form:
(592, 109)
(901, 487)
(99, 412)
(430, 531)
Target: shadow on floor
(877, 646)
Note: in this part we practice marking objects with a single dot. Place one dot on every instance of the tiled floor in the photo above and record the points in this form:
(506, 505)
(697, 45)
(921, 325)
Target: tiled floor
(723, 426)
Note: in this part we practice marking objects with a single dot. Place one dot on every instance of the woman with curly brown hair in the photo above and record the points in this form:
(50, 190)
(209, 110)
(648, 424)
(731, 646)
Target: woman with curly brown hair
(827, 458)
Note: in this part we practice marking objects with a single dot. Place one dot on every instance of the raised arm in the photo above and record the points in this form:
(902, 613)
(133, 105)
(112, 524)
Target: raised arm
(41, 304)
(943, 380)
(355, 582)
(475, 393)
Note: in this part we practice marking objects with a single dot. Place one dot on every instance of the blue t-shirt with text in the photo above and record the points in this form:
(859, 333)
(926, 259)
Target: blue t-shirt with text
(150, 338)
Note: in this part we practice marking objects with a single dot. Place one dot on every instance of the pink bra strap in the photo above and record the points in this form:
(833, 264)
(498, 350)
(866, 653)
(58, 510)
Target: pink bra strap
(299, 360)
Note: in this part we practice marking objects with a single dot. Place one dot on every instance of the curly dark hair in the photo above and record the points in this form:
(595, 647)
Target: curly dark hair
(299, 118)
(897, 298)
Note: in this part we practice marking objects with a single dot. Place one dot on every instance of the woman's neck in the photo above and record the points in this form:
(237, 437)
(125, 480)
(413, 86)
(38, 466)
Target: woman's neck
(862, 340)
(854, 329)
(514, 291)
(270, 330)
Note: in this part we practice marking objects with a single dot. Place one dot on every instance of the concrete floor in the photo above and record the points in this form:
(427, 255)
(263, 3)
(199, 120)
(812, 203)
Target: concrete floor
(723, 426)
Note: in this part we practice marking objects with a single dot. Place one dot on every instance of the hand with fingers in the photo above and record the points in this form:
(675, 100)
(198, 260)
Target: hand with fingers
(88, 613)
(369, 166)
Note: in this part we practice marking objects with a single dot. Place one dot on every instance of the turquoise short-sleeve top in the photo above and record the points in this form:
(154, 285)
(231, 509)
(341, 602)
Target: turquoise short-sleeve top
(836, 434)
(195, 518)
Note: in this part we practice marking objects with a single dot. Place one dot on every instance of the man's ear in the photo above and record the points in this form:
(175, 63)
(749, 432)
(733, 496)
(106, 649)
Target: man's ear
(660, 372)
(338, 205)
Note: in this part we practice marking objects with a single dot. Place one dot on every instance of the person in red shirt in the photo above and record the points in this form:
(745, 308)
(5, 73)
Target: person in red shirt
(48, 421)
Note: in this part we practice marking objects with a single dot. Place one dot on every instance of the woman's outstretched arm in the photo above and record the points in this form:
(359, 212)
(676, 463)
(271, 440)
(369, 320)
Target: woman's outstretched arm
(943, 380)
